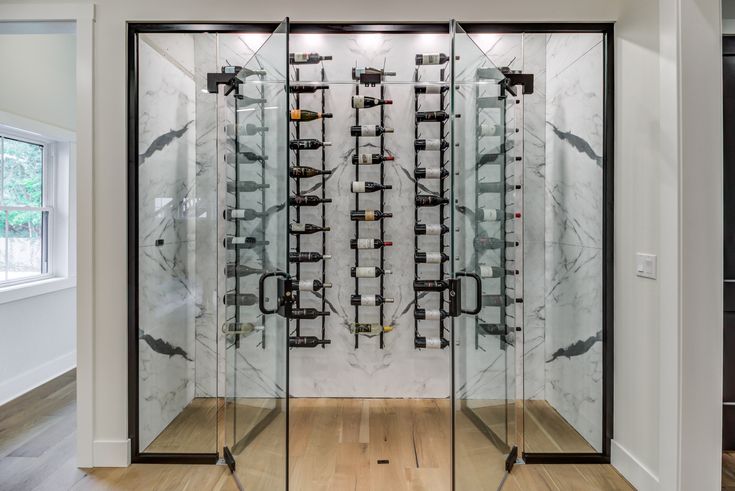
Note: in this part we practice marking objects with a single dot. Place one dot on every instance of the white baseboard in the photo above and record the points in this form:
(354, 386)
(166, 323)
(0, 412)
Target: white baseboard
(634, 471)
(112, 453)
(29, 380)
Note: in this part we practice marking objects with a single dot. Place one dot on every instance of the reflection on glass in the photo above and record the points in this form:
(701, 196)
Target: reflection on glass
(22, 173)
(24, 252)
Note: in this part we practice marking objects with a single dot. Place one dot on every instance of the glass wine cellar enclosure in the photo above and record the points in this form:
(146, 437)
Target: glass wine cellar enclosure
(370, 252)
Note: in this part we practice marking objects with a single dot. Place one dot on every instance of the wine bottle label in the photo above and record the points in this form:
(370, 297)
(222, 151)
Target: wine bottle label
(490, 271)
(433, 229)
(431, 59)
(358, 101)
(238, 240)
(362, 328)
(432, 315)
(300, 57)
(237, 213)
(488, 129)
(298, 227)
(433, 343)
(295, 113)
(365, 272)
(358, 187)
(306, 286)
(370, 215)
(433, 89)
(433, 173)
(370, 130)
(365, 243)
(365, 158)
(368, 300)
(433, 144)
(489, 214)
(433, 257)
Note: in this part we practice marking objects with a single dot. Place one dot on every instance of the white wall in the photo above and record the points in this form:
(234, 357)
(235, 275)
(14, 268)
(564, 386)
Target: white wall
(38, 94)
(650, 64)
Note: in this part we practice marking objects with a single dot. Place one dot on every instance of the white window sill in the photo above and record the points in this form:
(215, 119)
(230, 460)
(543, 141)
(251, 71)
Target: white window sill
(34, 288)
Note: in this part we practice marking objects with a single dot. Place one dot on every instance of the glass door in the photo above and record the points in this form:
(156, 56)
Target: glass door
(485, 245)
(253, 191)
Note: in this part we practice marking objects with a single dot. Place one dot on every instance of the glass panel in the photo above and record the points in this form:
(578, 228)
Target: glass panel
(483, 244)
(177, 244)
(22, 173)
(24, 242)
(254, 177)
(3, 246)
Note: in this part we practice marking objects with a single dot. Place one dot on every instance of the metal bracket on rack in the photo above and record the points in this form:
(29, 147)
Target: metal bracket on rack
(514, 78)
(228, 76)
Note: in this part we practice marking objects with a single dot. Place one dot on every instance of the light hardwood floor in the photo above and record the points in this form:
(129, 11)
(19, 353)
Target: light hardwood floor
(335, 446)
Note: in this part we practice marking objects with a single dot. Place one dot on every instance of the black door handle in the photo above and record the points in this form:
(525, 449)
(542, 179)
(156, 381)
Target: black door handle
(478, 293)
(261, 291)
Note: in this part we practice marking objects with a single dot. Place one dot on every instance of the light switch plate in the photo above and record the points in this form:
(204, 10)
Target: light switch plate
(645, 265)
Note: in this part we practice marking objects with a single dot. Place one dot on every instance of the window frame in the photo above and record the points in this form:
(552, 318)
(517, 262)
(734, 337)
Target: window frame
(48, 184)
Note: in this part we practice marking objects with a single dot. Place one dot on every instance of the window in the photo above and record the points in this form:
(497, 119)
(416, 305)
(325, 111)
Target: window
(25, 210)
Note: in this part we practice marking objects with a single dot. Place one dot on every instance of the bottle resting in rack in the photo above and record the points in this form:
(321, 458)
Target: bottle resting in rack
(430, 343)
(368, 271)
(492, 329)
(234, 158)
(304, 115)
(240, 299)
(243, 242)
(369, 243)
(369, 300)
(430, 315)
(242, 72)
(369, 329)
(364, 101)
(484, 243)
(369, 130)
(430, 257)
(368, 186)
(232, 130)
(307, 144)
(307, 313)
(308, 200)
(358, 72)
(306, 58)
(245, 186)
(495, 215)
(241, 328)
(495, 187)
(430, 200)
(430, 285)
(370, 158)
(431, 59)
(499, 300)
(431, 116)
(494, 271)
(305, 228)
(309, 285)
(368, 215)
(298, 172)
(306, 89)
(306, 257)
(306, 341)
(240, 270)
(489, 129)
(430, 89)
(429, 173)
(430, 229)
(431, 144)
(246, 214)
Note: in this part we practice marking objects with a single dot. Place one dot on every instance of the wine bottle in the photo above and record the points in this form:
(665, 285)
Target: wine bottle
(431, 59)
(243, 242)
(492, 329)
(241, 328)
(369, 300)
(240, 299)
(430, 315)
(369, 130)
(368, 271)
(424, 173)
(430, 257)
(368, 215)
(484, 243)
(308, 200)
(431, 116)
(430, 144)
(369, 243)
(370, 158)
(495, 215)
(368, 186)
(490, 158)
(305, 228)
(306, 257)
(304, 115)
(307, 313)
(306, 341)
(234, 158)
(244, 101)
(305, 89)
(430, 200)
(245, 186)
(298, 172)
(306, 58)
(489, 129)
(430, 89)
(368, 72)
(307, 144)
(246, 214)
(252, 129)
(495, 187)
(242, 72)
(430, 285)
(489, 102)
(499, 300)
(233, 130)
(368, 328)
(494, 271)
(421, 342)
(240, 270)
(364, 101)
(309, 285)
(430, 229)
